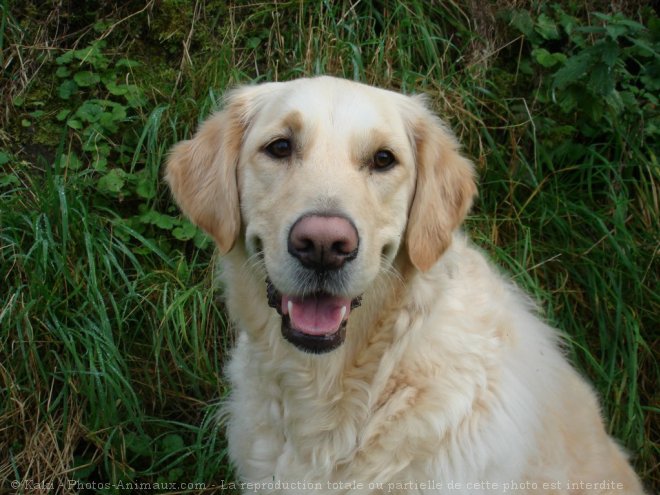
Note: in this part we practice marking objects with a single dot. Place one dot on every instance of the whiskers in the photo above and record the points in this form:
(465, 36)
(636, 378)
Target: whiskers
(255, 264)
(310, 282)
(391, 276)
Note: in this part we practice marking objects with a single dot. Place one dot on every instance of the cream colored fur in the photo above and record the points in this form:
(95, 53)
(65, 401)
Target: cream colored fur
(447, 382)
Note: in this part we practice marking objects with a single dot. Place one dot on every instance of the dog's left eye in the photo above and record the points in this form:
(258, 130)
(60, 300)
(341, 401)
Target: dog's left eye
(384, 160)
(280, 148)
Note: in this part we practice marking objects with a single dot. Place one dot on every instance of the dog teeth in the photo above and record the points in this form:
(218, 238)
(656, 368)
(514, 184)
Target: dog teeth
(289, 306)
(343, 313)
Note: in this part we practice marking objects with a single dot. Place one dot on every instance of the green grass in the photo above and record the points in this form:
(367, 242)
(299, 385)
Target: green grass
(112, 335)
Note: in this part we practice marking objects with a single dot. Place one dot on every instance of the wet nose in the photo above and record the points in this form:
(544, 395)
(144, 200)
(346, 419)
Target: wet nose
(323, 242)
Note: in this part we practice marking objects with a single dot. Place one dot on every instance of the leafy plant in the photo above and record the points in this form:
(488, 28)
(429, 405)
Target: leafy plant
(99, 106)
(97, 103)
(607, 70)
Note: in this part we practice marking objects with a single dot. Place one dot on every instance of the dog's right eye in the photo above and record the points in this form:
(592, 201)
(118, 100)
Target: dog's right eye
(280, 148)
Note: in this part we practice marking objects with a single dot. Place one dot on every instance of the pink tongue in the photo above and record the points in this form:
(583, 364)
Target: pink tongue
(316, 315)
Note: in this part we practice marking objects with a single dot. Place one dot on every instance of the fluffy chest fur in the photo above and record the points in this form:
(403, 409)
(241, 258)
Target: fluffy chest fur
(433, 388)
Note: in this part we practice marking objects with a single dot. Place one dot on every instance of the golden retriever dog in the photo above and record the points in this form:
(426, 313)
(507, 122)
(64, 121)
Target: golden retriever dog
(378, 351)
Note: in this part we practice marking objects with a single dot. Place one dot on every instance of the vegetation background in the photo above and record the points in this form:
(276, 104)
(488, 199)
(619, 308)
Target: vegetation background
(112, 336)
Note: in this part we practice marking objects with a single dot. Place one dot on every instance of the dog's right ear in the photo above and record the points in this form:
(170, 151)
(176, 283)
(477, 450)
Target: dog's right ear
(201, 172)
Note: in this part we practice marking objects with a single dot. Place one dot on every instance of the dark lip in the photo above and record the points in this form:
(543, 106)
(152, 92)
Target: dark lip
(312, 344)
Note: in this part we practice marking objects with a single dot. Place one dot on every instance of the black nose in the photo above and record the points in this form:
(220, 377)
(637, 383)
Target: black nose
(323, 242)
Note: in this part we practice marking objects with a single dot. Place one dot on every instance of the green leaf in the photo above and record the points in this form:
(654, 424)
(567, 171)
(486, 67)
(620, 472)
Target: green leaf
(62, 115)
(185, 232)
(138, 444)
(125, 62)
(100, 164)
(70, 161)
(615, 102)
(547, 28)
(201, 240)
(90, 111)
(62, 72)
(116, 89)
(86, 78)
(26, 123)
(616, 30)
(628, 99)
(595, 111)
(113, 181)
(654, 27)
(591, 30)
(522, 21)
(118, 112)
(89, 52)
(568, 100)
(609, 52)
(547, 59)
(601, 80)
(574, 69)
(9, 180)
(172, 443)
(618, 24)
(108, 122)
(4, 158)
(74, 124)
(146, 189)
(65, 58)
(93, 55)
(568, 22)
(67, 88)
(135, 96)
(646, 50)
(164, 222)
(97, 146)
(100, 26)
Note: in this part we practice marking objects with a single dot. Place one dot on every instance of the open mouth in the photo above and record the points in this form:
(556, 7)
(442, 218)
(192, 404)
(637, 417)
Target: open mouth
(315, 323)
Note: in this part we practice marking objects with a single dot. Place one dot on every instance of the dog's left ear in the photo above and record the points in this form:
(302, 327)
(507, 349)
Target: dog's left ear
(445, 188)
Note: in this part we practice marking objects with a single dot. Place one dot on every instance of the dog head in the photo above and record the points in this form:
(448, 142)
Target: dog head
(326, 181)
